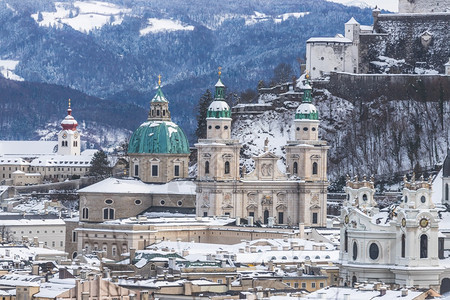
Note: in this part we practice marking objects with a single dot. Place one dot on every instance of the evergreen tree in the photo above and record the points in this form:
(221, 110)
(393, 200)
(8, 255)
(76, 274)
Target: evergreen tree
(203, 105)
(100, 165)
(282, 73)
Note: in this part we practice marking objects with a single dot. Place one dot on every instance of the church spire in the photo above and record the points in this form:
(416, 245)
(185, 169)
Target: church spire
(220, 88)
(159, 105)
(69, 122)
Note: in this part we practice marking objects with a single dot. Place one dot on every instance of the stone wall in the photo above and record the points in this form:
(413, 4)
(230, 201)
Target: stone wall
(421, 39)
(422, 6)
(392, 86)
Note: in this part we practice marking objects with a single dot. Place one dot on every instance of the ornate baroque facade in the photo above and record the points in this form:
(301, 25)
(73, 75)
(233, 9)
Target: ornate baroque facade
(265, 194)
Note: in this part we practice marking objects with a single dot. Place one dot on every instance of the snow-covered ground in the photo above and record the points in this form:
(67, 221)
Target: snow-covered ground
(161, 25)
(391, 5)
(82, 16)
(7, 68)
(261, 17)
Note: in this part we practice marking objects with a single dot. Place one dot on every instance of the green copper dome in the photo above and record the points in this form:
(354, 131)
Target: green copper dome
(159, 137)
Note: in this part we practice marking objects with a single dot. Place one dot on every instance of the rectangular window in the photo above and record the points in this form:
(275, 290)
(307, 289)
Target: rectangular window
(280, 217)
(136, 170)
(154, 170)
(205, 213)
(314, 220)
(288, 283)
(177, 171)
(313, 285)
(303, 285)
(296, 285)
(74, 236)
(321, 285)
(251, 214)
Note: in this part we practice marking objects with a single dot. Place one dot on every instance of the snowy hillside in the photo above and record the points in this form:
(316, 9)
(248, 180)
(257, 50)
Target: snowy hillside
(375, 137)
(82, 16)
(391, 5)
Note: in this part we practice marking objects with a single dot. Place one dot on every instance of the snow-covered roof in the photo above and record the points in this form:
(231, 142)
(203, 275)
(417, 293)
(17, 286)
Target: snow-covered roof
(352, 21)
(33, 222)
(306, 108)
(329, 40)
(125, 186)
(219, 83)
(63, 161)
(339, 293)
(13, 161)
(366, 28)
(27, 148)
(54, 287)
(218, 106)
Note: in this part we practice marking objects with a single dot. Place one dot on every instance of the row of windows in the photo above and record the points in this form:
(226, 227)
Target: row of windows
(313, 285)
(226, 167)
(155, 173)
(104, 248)
(374, 250)
(218, 127)
(108, 213)
(38, 231)
(306, 129)
(314, 168)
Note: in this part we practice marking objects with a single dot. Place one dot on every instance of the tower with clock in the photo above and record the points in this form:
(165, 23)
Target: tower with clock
(399, 244)
(69, 137)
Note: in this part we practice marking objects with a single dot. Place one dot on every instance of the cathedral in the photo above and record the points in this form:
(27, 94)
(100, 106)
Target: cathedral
(266, 194)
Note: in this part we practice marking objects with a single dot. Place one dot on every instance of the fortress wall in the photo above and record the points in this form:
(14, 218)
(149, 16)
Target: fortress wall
(394, 87)
(423, 6)
(401, 36)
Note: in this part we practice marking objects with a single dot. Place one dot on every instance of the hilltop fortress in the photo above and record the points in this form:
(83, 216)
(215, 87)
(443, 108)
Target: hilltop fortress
(414, 41)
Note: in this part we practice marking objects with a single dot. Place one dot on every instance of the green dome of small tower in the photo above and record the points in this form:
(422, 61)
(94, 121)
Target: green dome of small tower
(159, 134)
(307, 110)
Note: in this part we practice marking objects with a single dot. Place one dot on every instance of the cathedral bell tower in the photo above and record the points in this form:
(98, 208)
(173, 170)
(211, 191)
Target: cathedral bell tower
(218, 160)
(69, 137)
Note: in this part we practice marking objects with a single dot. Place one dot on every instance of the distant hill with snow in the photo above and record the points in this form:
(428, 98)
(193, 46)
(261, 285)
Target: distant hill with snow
(115, 49)
(34, 111)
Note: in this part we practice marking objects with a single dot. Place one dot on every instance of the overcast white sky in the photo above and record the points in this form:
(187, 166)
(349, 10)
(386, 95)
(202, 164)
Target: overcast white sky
(391, 5)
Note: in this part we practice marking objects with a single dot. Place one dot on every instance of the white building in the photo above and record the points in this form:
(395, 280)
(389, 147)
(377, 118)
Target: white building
(51, 232)
(22, 161)
(335, 54)
(400, 246)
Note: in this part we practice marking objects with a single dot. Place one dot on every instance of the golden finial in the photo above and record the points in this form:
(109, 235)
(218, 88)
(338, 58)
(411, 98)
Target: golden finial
(307, 75)
(159, 79)
(220, 71)
(69, 102)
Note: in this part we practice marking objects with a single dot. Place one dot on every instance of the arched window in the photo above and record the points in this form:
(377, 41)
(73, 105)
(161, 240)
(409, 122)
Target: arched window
(227, 167)
(365, 197)
(423, 246)
(207, 167)
(85, 213)
(355, 251)
(62, 144)
(108, 213)
(403, 245)
(446, 191)
(314, 168)
(295, 168)
(346, 241)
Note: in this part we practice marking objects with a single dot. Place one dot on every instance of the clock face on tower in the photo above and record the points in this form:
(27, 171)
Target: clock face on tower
(64, 136)
(423, 222)
(75, 135)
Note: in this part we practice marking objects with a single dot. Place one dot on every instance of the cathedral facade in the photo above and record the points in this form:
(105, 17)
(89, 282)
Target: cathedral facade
(266, 194)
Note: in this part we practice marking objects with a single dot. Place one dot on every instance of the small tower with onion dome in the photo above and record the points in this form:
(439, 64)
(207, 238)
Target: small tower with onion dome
(69, 137)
